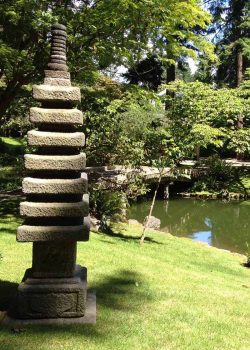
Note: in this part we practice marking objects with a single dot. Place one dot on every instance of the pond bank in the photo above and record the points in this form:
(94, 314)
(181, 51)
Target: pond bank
(211, 195)
(219, 223)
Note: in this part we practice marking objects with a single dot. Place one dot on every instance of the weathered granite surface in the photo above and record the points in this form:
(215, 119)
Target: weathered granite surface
(57, 206)
(37, 209)
(56, 93)
(28, 233)
(54, 186)
(41, 162)
(48, 138)
(57, 81)
(53, 297)
(56, 74)
(56, 116)
(88, 318)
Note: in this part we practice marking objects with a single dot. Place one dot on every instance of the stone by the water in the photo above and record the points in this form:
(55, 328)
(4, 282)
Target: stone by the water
(153, 222)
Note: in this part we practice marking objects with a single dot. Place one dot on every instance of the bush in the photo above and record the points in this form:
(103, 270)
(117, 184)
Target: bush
(220, 176)
(11, 172)
(106, 205)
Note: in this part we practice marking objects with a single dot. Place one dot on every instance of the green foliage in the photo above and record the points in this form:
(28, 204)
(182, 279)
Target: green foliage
(106, 205)
(203, 116)
(11, 163)
(204, 135)
(12, 147)
(118, 129)
(101, 34)
(240, 141)
(219, 177)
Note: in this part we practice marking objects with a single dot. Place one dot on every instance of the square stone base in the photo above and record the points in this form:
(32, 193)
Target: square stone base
(88, 318)
(46, 298)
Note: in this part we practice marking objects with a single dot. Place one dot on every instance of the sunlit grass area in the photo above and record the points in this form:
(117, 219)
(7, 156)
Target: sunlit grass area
(13, 141)
(171, 293)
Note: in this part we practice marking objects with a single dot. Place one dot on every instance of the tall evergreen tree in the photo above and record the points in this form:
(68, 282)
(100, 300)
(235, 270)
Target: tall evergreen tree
(234, 47)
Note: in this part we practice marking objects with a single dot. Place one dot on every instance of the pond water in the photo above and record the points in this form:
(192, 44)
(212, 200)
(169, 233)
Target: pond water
(220, 224)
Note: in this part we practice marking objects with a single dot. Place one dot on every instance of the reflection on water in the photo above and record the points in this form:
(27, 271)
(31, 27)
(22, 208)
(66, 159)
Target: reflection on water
(221, 224)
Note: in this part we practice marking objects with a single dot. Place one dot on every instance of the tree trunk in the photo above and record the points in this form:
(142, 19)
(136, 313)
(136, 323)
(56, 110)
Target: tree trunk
(197, 153)
(171, 76)
(151, 209)
(240, 123)
(171, 73)
(239, 68)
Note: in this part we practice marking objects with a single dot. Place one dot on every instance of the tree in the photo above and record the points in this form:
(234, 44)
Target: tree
(233, 45)
(200, 116)
(148, 73)
(100, 33)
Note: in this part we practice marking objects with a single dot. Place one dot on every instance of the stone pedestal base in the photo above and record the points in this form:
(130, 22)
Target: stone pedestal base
(48, 298)
(88, 318)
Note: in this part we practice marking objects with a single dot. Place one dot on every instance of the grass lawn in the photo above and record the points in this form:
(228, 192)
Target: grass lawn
(12, 141)
(172, 293)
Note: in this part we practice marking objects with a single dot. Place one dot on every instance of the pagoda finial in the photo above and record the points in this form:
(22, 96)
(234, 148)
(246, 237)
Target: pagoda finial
(58, 60)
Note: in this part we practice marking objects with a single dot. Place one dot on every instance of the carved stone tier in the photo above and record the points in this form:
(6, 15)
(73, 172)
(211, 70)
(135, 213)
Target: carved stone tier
(37, 209)
(56, 116)
(49, 93)
(56, 74)
(41, 162)
(57, 81)
(57, 139)
(27, 233)
(55, 186)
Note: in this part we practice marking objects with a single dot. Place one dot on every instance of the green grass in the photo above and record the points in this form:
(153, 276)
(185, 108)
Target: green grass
(12, 141)
(172, 293)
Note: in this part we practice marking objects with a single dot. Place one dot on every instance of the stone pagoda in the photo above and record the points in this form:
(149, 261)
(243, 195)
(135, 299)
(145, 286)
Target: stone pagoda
(57, 205)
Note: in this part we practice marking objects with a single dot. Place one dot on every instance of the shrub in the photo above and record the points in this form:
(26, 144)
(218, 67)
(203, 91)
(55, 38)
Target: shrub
(220, 176)
(106, 205)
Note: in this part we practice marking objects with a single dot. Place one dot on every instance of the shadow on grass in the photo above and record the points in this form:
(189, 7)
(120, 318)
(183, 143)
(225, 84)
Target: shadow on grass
(8, 230)
(108, 231)
(7, 294)
(121, 292)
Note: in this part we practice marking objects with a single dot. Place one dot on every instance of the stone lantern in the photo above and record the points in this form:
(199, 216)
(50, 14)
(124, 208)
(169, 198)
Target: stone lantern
(56, 208)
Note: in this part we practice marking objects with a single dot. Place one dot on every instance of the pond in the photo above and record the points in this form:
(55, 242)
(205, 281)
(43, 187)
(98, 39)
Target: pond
(221, 224)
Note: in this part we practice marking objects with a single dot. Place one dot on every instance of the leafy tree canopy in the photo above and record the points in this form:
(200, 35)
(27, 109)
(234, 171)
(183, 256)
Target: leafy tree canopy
(100, 33)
